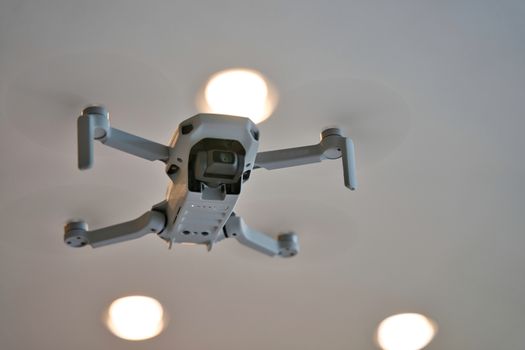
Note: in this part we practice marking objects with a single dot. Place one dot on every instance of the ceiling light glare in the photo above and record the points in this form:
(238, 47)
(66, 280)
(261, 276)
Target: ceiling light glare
(240, 92)
(408, 331)
(135, 317)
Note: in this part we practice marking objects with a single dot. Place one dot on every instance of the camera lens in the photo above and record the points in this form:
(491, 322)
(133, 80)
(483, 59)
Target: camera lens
(223, 157)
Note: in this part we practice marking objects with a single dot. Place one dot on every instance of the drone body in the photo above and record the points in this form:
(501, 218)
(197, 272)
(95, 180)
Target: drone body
(212, 156)
(208, 160)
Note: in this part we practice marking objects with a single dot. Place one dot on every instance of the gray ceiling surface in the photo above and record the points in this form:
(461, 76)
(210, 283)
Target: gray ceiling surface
(432, 92)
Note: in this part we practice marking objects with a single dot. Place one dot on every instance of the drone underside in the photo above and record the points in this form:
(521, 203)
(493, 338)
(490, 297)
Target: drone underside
(208, 160)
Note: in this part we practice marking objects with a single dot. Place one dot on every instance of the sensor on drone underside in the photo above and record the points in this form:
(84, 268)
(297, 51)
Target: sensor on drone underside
(207, 162)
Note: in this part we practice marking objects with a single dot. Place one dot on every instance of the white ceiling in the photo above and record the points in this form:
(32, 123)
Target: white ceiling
(431, 92)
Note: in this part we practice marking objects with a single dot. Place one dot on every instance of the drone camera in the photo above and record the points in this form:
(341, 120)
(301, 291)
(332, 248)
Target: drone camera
(218, 164)
(215, 162)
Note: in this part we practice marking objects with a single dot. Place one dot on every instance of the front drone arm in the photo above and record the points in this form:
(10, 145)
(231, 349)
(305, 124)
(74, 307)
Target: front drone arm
(76, 233)
(333, 145)
(286, 245)
(93, 124)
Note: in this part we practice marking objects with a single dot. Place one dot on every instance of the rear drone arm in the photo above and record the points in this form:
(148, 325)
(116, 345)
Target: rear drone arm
(93, 124)
(333, 145)
(76, 233)
(286, 245)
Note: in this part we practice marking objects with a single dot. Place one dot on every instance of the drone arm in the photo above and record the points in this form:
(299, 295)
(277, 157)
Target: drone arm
(77, 233)
(93, 124)
(286, 245)
(333, 145)
(136, 145)
(289, 157)
(265, 244)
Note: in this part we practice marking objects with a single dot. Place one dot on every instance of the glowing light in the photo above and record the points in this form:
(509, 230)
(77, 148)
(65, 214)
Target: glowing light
(405, 332)
(135, 317)
(240, 92)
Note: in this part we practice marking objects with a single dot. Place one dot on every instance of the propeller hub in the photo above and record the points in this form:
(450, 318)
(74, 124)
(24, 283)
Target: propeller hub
(331, 132)
(95, 110)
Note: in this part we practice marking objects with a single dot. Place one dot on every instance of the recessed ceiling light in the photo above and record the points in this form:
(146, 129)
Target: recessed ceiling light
(408, 331)
(135, 317)
(240, 92)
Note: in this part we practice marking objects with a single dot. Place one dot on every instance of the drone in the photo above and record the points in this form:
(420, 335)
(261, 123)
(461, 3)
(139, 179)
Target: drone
(208, 160)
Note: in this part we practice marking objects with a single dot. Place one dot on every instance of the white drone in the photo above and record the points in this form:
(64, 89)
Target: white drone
(208, 159)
